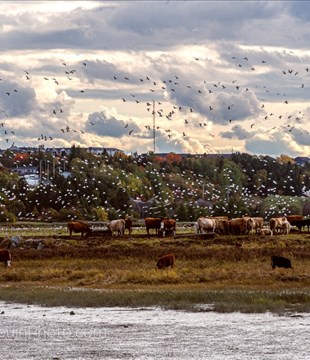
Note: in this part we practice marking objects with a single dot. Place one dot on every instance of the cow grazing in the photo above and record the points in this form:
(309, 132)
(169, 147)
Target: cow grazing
(205, 225)
(128, 225)
(152, 223)
(279, 261)
(78, 227)
(166, 261)
(168, 226)
(277, 223)
(117, 226)
(5, 257)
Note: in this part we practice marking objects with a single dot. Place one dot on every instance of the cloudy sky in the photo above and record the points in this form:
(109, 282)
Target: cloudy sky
(212, 77)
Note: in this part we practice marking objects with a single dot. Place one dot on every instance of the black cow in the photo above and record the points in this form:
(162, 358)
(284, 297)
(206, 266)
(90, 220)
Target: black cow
(279, 261)
(300, 224)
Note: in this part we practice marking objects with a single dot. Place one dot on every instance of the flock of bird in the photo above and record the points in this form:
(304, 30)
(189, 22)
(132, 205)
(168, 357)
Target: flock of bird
(188, 186)
(189, 105)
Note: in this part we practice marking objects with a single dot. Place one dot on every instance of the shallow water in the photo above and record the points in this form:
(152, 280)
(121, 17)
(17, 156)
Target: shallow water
(33, 332)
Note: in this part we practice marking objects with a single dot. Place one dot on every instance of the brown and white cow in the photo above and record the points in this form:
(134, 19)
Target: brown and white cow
(285, 228)
(152, 223)
(221, 224)
(117, 226)
(77, 226)
(168, 226)
(250, 225)
(205, 225)
(259, 223)
(166, 261)
(5, 257)
(278, 223)
(264, 231)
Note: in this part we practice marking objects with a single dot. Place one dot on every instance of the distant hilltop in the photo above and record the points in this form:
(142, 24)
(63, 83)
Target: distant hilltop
(299, 160)
(62, 150)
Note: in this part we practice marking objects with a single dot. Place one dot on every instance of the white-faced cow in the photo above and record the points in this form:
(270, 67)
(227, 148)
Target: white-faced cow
(168, 226)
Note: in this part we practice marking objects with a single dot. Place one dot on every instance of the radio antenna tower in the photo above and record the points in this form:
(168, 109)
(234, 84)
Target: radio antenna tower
(154, 128)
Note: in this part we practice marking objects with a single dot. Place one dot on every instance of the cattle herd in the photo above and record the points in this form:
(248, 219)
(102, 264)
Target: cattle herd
(218, 224)
(248, 225)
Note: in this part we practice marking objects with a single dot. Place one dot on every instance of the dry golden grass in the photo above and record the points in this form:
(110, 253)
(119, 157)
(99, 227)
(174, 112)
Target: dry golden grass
(128, 264)
(125, 272)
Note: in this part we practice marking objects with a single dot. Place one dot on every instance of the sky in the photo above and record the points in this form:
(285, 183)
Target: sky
(195, 76)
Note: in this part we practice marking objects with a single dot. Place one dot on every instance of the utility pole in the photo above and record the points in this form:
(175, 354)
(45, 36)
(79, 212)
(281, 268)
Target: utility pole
(40, 170)
(154, 128)
(53, 166)
(203, 190)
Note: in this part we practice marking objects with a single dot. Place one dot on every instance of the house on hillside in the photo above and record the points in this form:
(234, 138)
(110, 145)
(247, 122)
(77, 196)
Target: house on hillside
(101, 150)
(302, 160)
(26, 170)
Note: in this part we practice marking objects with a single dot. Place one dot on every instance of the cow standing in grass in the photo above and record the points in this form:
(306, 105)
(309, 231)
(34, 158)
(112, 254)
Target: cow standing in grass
(117, 226)
(128, 224)
(77, 226)
(152, 223)
(279, 261)
(166, 261)
(291, 218)
(5, 257)
(168, 226)
(238, 226)
(205, 225)
(277, 223)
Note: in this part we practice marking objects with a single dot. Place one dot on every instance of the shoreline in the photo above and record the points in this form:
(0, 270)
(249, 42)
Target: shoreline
(193, 299)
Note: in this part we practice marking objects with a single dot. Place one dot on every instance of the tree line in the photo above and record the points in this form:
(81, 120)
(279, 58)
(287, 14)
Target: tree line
(105, 187)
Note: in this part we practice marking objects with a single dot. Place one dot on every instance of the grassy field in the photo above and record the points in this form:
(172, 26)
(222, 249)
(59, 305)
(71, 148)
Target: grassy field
(233, 273)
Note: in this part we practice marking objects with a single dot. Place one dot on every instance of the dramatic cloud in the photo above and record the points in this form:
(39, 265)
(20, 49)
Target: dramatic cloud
(209, 75)
(104, 125)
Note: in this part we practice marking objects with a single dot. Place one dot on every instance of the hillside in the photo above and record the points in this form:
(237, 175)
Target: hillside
(101, 187)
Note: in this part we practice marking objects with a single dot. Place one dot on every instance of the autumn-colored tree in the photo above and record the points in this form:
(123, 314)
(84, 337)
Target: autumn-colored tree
(174, 158)
(284, 159)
